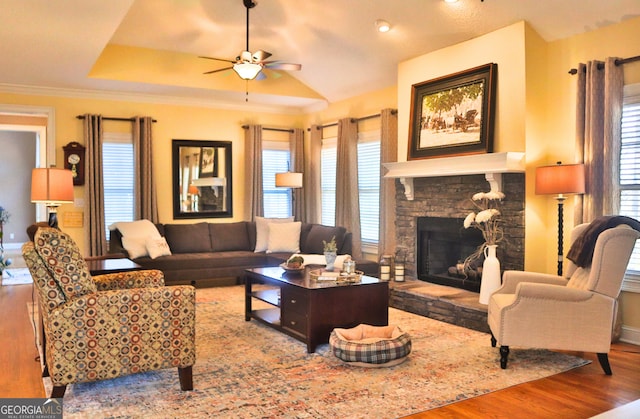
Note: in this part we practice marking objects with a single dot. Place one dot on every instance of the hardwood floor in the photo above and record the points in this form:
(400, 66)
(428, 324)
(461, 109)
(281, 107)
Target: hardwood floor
(579, 393)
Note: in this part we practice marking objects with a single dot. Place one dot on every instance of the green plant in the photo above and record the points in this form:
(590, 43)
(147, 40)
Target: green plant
(330, 246)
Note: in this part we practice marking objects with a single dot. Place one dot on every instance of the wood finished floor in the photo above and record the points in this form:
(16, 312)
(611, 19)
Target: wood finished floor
(580, 393)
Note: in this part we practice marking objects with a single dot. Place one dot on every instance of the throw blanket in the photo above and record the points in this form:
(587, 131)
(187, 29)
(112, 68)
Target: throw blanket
(581, 251)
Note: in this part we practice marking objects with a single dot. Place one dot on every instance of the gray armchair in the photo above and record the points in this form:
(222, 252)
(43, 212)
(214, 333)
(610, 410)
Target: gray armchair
(576, 312)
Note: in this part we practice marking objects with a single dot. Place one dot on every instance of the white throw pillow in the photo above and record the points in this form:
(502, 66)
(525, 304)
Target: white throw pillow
(284, 237)
(262, 231)
(140, 228)
(158, 247)
(136, 247)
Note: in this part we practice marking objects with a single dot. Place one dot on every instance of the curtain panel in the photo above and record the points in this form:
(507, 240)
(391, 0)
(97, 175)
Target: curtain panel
(347, 195)
(95, 233)
(296, 145)
(311, 177)
(145, 197)
(388, 153)
(598, 113)
(253, 172)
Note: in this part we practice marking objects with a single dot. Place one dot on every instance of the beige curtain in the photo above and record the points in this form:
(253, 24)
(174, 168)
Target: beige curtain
(296, 145)
(311, 178)
(253, 172)
(388, 153)
(94, 192)
(347, 201)
(145, 198)
(599, 108)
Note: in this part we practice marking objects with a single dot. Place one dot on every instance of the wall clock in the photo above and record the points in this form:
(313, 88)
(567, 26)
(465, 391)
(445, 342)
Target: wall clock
(74, 161)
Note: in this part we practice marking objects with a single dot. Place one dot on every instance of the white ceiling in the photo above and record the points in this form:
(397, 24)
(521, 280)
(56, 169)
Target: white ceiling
(53, 45)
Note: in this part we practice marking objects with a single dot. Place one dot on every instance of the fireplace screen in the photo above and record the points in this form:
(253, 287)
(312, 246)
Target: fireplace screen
(443, 245)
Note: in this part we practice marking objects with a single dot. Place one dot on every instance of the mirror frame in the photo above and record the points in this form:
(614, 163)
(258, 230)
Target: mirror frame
(178, 212)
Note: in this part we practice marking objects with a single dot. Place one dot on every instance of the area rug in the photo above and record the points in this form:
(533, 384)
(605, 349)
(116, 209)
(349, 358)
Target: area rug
(247, 370)
(16, 276)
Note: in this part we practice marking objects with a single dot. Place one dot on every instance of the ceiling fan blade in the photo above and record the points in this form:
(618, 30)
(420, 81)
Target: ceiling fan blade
(218, 70)
(276, 65)
(260, 76)
(216, 59)
(260, 55)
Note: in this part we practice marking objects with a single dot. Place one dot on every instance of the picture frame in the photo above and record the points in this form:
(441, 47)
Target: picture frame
(208, 162)
(454, 114)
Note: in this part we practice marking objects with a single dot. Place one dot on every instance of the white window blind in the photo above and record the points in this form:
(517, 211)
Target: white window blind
(328, 156)
(369, 186)
(275, 159)
(117, 171)
(630, 166)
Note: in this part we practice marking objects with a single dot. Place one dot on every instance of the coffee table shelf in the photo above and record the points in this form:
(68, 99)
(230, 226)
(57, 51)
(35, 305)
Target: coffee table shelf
(309, 310)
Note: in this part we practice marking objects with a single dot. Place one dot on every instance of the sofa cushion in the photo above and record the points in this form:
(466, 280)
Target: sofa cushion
(284, 237)
(229, 236)
(312, 243)
(206, 260)
(188, 238)
(262, 231)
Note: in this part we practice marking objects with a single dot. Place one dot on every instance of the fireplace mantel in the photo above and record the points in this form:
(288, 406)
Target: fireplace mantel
(492, 165)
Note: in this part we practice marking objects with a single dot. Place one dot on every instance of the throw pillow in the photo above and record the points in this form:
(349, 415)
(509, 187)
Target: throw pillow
(136, 247)
(135, 235)
(284, 237)
(157, 247)
(262, 231)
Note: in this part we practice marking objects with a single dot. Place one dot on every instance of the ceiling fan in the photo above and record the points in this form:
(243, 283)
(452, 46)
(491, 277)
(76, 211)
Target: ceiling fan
(249, 65)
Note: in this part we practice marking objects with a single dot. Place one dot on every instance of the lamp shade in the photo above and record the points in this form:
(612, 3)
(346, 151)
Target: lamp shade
(560, 179)
(289, 180)
(193, 190)
(51, 186)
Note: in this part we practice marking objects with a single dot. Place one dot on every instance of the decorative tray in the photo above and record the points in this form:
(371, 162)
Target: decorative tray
(337, 276)
(288, 269)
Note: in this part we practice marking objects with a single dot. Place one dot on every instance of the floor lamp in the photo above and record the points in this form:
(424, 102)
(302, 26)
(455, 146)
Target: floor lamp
(291, 180)
(559, 180)
(52, 187)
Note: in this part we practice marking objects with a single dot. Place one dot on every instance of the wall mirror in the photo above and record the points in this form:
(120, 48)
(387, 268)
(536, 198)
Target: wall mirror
(201, 179)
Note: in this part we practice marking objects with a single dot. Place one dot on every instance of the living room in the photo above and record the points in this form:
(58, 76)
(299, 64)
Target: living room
(534, 115)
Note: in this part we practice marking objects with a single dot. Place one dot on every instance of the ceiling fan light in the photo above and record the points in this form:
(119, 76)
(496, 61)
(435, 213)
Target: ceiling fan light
(383, 25)
(247, 71)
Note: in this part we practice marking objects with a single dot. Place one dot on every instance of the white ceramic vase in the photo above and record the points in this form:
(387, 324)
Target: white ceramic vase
(330, 258)
(490, 274)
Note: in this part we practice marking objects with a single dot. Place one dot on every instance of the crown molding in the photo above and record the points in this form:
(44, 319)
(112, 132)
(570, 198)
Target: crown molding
(155, 99)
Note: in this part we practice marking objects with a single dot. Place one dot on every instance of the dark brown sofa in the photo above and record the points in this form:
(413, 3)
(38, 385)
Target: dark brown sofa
(213, 254)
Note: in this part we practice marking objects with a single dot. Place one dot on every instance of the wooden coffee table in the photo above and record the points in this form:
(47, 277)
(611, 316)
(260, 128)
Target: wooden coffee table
(309, 310)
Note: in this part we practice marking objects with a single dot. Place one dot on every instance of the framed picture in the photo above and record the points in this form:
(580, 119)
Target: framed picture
(209, 162)
(453, 115)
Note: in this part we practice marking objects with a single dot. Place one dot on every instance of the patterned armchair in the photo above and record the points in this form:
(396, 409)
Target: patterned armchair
(575, 312)
(101, 327)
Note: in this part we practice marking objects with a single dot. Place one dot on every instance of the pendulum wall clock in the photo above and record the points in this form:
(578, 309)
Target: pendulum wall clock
(74, 161)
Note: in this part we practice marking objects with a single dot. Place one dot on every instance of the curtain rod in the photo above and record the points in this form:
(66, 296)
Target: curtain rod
(271, 129)
(109, 118)
(333, 124)
(619, 61)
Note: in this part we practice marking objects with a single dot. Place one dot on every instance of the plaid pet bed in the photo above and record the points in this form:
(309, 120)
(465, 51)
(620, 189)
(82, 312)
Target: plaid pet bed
(371, 349)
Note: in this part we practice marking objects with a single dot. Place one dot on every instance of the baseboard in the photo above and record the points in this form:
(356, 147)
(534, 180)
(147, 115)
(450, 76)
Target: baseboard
(630, 335)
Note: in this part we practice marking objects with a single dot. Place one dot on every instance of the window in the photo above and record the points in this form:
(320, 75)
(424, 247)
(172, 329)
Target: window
(630, 170)
(275, 159)
(118, 174)
(368, 185)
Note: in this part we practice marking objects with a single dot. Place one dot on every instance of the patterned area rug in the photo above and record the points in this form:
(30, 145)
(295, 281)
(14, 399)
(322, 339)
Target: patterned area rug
(246, 370)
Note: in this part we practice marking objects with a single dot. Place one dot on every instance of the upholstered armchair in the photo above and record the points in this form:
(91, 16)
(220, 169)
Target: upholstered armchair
(101, 327)
(576, 312)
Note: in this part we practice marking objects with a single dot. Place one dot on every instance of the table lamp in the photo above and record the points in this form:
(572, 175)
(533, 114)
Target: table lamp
(291, 180)
(558, 180)
(52, 187)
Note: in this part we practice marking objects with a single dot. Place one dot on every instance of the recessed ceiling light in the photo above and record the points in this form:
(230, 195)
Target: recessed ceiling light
(383, 25)
(450, 1)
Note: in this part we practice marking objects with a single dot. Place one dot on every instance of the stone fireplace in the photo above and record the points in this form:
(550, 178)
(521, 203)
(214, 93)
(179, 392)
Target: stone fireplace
(432, 220)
